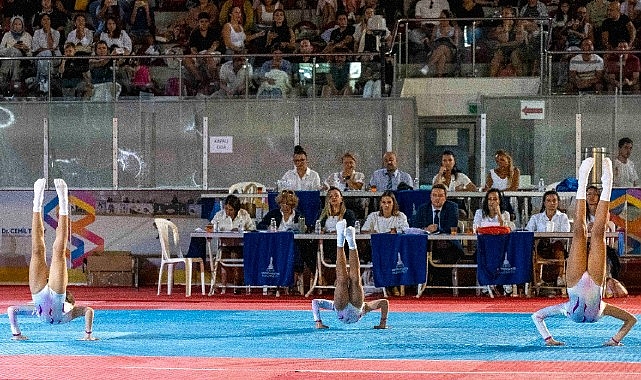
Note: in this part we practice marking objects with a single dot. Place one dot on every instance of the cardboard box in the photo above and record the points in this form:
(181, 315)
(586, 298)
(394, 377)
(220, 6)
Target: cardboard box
(110, 261)
(108, 279)
(110, 268)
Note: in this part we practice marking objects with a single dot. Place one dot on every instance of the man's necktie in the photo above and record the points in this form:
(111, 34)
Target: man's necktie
(437, 220)
(389, 181)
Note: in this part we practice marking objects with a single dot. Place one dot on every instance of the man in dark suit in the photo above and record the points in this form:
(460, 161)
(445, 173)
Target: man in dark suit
(440, 216)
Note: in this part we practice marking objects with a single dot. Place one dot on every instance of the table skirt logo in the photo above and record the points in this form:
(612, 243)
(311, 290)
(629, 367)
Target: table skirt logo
(506, 267)
(270, 272)
(400, 266)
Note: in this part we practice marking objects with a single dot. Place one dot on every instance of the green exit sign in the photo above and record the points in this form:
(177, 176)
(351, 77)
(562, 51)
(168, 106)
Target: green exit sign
(473, 108)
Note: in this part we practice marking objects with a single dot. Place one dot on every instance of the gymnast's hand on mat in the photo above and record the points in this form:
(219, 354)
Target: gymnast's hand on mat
(382, 324)
(320, 325)
(89, 337)
(612, 342)
(553, 342)
(19, 337)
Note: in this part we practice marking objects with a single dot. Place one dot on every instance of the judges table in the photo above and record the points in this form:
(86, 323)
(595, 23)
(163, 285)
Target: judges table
(394, 252)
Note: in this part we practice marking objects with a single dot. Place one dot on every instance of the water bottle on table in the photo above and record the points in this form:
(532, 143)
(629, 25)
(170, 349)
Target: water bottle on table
(272, 225)
(317, 227)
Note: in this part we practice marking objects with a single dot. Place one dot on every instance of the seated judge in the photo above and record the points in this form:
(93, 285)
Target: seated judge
(440, 216)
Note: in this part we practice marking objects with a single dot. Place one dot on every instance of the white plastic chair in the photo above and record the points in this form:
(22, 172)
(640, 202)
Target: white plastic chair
(168, 247)
(246, 188)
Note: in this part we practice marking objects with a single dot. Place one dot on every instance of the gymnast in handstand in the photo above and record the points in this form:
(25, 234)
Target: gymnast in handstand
(349, 298)
(51, 302)
(585, 273)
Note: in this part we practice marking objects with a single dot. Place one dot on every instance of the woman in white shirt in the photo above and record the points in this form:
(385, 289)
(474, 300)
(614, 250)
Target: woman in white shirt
(232, 218)
(450, 175)
(82, 37)
(491, 213)
(15, 43)
(114, 36)
(550, 219)
(388, 218)
(45, 44)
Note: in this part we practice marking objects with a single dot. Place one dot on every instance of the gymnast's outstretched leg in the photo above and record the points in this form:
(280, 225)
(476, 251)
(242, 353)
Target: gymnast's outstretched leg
(342, 284)
(356, 293)
(38, 270)
(597, 257)
(58, 276)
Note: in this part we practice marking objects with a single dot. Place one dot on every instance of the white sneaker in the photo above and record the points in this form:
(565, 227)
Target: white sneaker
(507, 289)
(560, 281)
(425, 70)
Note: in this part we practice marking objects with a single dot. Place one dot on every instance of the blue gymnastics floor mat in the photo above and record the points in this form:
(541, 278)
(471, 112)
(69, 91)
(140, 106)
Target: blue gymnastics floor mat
(291, 334)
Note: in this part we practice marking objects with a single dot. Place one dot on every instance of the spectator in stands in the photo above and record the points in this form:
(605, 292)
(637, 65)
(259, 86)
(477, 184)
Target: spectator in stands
(632, 9)
(74, 73)
(264, 17)
(100, 66)
(328, 12)
(444, 43)
(246, 13)
(561, 18)
(511, 38)
(338, 80)
(534, 9)
(550, 216)
(235, 76)
(450, 176)
(107, 9)
(365, 41)
(193, 14)
(81, 36)
(142, 21)
(234, 37)
(597, 13)
(45, 44)
(116, 38)
(470, 9)
(625, 173)
(348, 178)
(303, 68)
(58, 16)
(622, 70)
(275, 77)
(420, 36)
(617, 27)
(23, 8)
(342, 37)
(280, 35)
(578, 29)
(301, 177)
(586, 70)
(440, 215)
(389, 177)
(204, 41)
(15, 43)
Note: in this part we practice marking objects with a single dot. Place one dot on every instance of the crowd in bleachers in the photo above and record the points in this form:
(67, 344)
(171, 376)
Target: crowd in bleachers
(276, 39)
